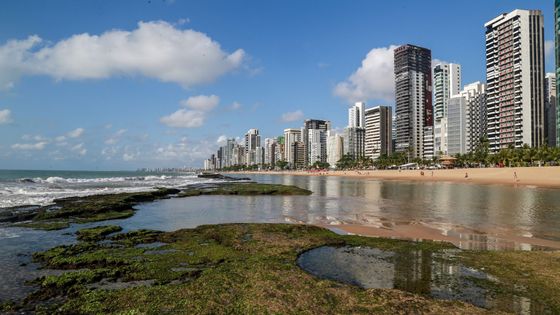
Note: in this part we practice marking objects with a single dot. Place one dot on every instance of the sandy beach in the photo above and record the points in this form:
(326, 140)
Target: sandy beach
(528, 176)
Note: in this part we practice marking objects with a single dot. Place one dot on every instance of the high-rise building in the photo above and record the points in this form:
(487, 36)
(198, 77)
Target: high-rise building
(447, 83)
(515, 79)
(298, 154)
(550, 109)
(475, 96)
(466, 119)
(354, 142)
(291, 136)
(356, 115)
(252, 144)
(315, 124)
(270, 145)
(379, 129)
(317, 146)
(335, 148)
(557, 54)
(413, 91)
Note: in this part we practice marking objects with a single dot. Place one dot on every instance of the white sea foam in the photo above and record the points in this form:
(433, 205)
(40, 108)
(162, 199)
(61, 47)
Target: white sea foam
(42, 191)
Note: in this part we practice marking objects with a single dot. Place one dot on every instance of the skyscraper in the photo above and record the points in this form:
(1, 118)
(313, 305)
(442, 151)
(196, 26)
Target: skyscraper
(378, 136)
(515, 78)
(356, 115)
(252, 146)
(467, 119)
(354, 142)
(557, 54)
(335, 148)
(447, 83)
(413, 91)
(550, 109)
(291, 136)
(315, 124)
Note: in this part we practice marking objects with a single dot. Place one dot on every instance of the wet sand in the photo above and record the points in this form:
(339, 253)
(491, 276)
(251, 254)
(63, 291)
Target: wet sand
(460, 237)
(548, 176)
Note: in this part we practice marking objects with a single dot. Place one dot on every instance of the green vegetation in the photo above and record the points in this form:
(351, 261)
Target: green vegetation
(97, 233)
(246, 189)
(250, 268)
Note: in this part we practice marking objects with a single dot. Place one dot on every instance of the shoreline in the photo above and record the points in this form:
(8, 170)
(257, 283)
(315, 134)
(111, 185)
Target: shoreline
(544, 177)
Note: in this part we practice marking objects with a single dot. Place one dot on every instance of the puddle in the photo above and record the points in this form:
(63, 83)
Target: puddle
(419, 272)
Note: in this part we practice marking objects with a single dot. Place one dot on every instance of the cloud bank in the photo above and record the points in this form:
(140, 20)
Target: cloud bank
(154, 49)
(195, 115)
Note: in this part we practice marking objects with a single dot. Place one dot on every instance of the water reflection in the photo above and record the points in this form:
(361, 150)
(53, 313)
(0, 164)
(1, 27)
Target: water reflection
(417, 271)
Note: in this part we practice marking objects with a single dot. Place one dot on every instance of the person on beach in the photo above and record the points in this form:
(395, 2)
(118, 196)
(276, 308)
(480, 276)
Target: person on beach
(466, 175)
(515, 177)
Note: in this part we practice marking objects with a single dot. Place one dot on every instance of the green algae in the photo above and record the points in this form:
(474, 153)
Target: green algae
(97, 233)
(230, 268)
(246, 189)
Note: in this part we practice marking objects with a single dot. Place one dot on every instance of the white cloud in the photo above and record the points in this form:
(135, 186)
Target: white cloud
(30, 146)
(79, 148)
(5, 116)
(154, 49)
(115, 137)
(374, 79)
(548, 48)
(184, 119)
(201, 102)
(235, 106)
(76, 133)
(128, 157)
(292, 116)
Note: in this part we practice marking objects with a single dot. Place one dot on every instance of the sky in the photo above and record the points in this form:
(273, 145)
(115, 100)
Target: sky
(121, 85)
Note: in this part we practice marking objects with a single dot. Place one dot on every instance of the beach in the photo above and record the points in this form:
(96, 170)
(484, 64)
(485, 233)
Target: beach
(548, 176)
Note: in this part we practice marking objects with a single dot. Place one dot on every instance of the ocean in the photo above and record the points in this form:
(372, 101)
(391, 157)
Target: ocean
(38, 187)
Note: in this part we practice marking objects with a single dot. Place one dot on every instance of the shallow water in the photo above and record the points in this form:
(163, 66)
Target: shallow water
(467, 210)
(419, 272)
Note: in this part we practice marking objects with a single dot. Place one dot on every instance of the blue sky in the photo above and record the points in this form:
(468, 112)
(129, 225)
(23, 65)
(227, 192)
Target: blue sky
(110, 85)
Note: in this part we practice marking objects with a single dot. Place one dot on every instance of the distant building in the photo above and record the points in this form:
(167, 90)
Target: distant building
(447, 83)
(413, 91)
(378, 132)
(317, 146)
(291, 136)
(354, 142)
(457, 128)
(356, 115)
(298, 154)
(270, 145)
(550, 110)
(515, 79)
(252, 144)
(315, 124)
(335, 148)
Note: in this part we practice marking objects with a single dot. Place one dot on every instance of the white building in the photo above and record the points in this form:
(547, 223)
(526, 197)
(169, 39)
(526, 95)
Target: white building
(291, 136)
(335, 148)
(467, 119)
(447, 83)
(354, 141)
(378, 131)
(317, 145)
(252, 144)
(356, 115)
(515, 79)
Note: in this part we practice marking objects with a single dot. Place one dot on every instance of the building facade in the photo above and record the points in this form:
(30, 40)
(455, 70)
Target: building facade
(315, 124)
(335, 148)
(557, 54)
(378, 131)
(291, 136)
(413, 92)
(354, 142)
(447, 83)
(515, 79)
(550, 110)
(356, 115)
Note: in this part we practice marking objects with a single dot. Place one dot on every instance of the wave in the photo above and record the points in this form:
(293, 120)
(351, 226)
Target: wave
(43, 191)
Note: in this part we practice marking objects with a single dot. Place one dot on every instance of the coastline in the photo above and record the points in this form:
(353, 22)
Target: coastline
(545, 177)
